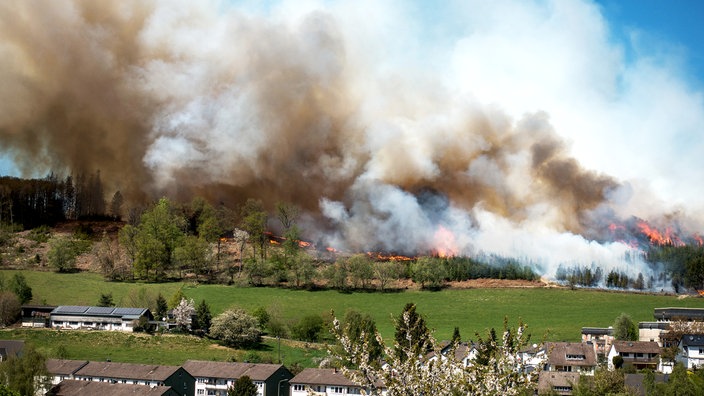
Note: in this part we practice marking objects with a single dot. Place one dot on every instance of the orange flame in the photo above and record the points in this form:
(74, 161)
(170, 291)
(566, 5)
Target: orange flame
(699, 240)
(445, 244)
(656, 237)
(388, 257)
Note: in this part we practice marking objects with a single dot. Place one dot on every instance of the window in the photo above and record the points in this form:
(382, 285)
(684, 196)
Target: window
(639, 355)
(354, 391)
(335, 389)
(201, 391)
(202, 380)
(259, 384)
(299, 387)
(562, 388)
(576, 357)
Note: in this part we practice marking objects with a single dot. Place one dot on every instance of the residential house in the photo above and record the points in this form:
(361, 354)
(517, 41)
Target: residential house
(679, 314)
(324, 382)
(579, 357)
(600, 337)
(180, 380)
(464, 352)
(557, 382)
(691, 351)
(214, 378)
(98, 318)
(532, 357)
(639, 354)
(653, 331)
(10, 348)
(63, 369)
(36, 315)
(90, 388)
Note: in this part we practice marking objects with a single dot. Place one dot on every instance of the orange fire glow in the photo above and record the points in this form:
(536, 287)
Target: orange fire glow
(444, 243)
(699, 240)
(388, 257)
(656, 237)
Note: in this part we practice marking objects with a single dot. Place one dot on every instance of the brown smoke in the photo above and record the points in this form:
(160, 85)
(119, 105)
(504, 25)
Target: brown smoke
(192, 99)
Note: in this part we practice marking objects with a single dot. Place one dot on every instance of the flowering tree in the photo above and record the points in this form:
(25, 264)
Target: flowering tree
(183, 313)
(407, 372)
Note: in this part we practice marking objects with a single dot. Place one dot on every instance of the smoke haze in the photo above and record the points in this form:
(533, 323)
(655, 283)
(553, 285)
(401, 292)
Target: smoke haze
(344, 110)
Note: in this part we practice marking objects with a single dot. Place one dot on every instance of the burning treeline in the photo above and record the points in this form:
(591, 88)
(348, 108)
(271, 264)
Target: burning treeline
(200, 99)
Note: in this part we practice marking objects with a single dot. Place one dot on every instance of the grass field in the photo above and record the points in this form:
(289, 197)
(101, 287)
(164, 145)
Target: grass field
(557, 314)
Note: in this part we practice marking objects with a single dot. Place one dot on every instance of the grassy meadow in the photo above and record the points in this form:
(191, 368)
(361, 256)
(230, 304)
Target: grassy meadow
(552, 313)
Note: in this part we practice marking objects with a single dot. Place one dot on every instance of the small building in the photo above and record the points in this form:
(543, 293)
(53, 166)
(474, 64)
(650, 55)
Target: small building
(557, 382)
(691, 351)
(578, 357)
(10, 348)
(317, 381)
(90, 388)
(639, 354)
(180, 380)
(653, 331)
(98, 318)
(36, 315)
(600, 337)
(215, 378)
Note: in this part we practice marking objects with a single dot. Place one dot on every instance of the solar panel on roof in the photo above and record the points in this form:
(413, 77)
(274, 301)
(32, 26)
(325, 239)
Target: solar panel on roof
(100, 310)
(75, 309)
(128, 311)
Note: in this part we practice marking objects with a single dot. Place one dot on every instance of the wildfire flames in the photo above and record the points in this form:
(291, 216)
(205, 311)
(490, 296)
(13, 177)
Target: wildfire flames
(444, 243)
(634, 234)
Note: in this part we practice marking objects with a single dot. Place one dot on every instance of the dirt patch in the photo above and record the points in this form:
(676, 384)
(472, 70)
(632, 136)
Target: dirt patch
(496, 283)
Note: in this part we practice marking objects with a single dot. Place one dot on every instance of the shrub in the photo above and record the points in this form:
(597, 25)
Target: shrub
(236, 328)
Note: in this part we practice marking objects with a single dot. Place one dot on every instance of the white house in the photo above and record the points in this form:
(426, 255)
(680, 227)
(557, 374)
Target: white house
(323, 382)
(640, 354)
(97, 318)
(691, 351)
(215, 378)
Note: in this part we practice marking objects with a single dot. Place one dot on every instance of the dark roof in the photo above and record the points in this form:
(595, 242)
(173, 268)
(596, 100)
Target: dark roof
(598, 330)
(91, 388)
(679, 313)
(63, 366)
(234, 370)
(319, 376)
(636, 347)
(558, 352)
(692, 340)
(635, 382)
(10, 348)
(118, 312)
(147, 372)
(654, 325)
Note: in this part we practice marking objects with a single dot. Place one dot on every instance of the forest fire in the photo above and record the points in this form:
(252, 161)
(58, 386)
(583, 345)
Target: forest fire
(640, 233)
(666, 238)
(379, 256)
(444, 243)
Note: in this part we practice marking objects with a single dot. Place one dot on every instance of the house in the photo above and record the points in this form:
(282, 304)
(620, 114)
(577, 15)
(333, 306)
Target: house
(214, 378)
(10, 348)
(691, 351)
(323, 382)
(679, 314)
(36, 315)
(532, 357)
(557, 382)
(639, 354)
(98, 318)
(180, 380)
(464, 352)
(90, 388)
(653, 331)
(579, 357)
(600, 337)
(63, 369)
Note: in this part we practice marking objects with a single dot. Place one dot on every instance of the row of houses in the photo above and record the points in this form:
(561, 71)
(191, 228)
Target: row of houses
(194, 377)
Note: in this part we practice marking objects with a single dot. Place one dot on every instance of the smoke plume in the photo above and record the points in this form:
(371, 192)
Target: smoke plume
(186, 98)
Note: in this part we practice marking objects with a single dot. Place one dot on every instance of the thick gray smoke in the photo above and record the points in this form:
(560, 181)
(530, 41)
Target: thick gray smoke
(186, 98)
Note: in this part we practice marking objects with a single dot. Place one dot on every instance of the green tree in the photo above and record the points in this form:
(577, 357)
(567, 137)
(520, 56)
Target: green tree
(5, 391)
(203, 318)
(411, 333)
(106, 300)
(603, 382)
(385, 272)
(456, 337)
(361, 270)
(25, 374)
(18, 285)
(159, 232)
(262, 316)
(243, 386)
(429, 272)
(254, 220)
(193, 255)
(362, 329)
(61, 255)
(161, 307)
(176, 298)
(680, 384)
(308, 328)
(236, 328)
(624, 328)
(10, 308)
(116, 205)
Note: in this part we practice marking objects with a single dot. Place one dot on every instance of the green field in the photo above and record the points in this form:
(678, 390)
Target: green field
(553, 313)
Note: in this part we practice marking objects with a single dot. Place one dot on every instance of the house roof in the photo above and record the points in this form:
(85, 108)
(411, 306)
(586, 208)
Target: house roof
(231, 370)
(636, 347)
(10, 348)
(692, 340)
(148, 372)
(558, 352)
(635, 382)
(679, 313)
(64, 366)
(548, 379)
(319, 376)
(654, 325)
(116, 312)
(90, 388)
(598, 330)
